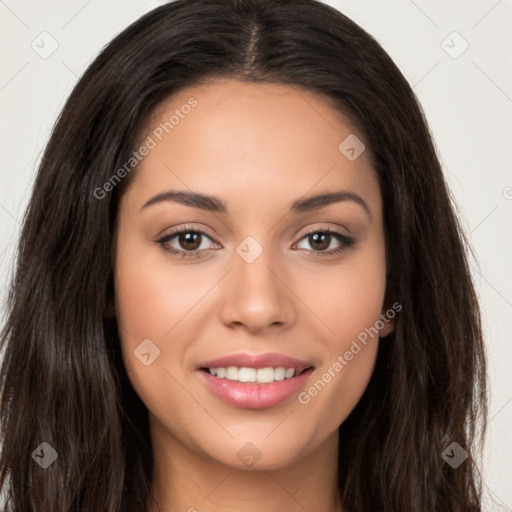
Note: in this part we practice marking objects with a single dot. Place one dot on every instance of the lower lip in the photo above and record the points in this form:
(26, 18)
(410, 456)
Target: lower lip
(251, 395)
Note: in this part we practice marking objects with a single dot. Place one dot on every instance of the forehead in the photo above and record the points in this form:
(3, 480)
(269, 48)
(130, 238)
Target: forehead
(251, 141)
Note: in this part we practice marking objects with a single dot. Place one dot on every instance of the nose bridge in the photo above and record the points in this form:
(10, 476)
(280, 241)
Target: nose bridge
(253, 263)
(257, 297)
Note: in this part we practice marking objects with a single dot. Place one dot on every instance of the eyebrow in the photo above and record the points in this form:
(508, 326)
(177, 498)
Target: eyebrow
(213, 204)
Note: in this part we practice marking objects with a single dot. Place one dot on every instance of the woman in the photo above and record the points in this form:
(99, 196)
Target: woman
(317, 347)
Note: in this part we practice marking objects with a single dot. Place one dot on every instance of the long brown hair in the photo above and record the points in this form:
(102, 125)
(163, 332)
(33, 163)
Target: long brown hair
(62, 379)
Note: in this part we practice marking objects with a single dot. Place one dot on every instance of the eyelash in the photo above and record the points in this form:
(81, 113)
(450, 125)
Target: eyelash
(346, 242)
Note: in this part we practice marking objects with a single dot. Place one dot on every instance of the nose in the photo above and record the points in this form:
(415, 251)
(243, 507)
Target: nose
(257, 295)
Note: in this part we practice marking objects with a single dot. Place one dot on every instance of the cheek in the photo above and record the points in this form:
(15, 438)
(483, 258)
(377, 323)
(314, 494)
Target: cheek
(347, 298)
(335, 304)
(349, 302)
(151, 300)
(152, 295)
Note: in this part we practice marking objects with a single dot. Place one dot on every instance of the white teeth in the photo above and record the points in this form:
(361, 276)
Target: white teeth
(247, 375)
(279, 373)
(232, 373)
(266, 375)
(289, 372)
(261, 375)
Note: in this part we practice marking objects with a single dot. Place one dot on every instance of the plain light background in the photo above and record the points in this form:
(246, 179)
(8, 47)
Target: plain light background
(466, 94)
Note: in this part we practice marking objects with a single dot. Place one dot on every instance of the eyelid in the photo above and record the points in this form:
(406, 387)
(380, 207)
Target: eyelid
(163, 239)
(324, 229)
(180, 229)
(346, 241)
(188, 227)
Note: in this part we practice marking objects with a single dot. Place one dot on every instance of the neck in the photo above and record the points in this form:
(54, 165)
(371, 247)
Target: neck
(191, 482)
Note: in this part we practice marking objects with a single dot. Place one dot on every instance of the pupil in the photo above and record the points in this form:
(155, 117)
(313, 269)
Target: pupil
(316, 237)
(189, 238)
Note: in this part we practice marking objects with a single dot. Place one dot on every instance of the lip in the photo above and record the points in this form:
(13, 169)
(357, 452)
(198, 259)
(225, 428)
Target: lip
(257, 361)
(252, 395)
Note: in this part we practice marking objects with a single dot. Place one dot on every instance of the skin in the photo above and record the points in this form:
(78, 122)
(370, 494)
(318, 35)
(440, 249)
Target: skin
(257, 147)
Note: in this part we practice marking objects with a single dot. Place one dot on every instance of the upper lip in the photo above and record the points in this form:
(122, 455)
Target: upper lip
(257, 361)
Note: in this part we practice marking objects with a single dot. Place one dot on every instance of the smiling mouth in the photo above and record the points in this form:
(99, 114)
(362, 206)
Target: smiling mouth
(255, 375)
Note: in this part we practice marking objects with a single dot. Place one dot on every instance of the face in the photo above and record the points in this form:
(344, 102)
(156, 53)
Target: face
(257, 275)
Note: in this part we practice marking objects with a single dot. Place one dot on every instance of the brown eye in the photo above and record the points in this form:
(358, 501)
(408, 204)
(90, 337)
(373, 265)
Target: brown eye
(320, 240)
(189, 240)
(185, 242)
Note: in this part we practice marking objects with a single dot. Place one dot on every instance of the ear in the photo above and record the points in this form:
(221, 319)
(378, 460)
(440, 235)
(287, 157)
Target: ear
(388, 317)
(110, 309)
(389, 324)
(110, 301)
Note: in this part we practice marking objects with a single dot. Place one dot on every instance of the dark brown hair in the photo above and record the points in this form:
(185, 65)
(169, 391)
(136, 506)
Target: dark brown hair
(62, 379)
